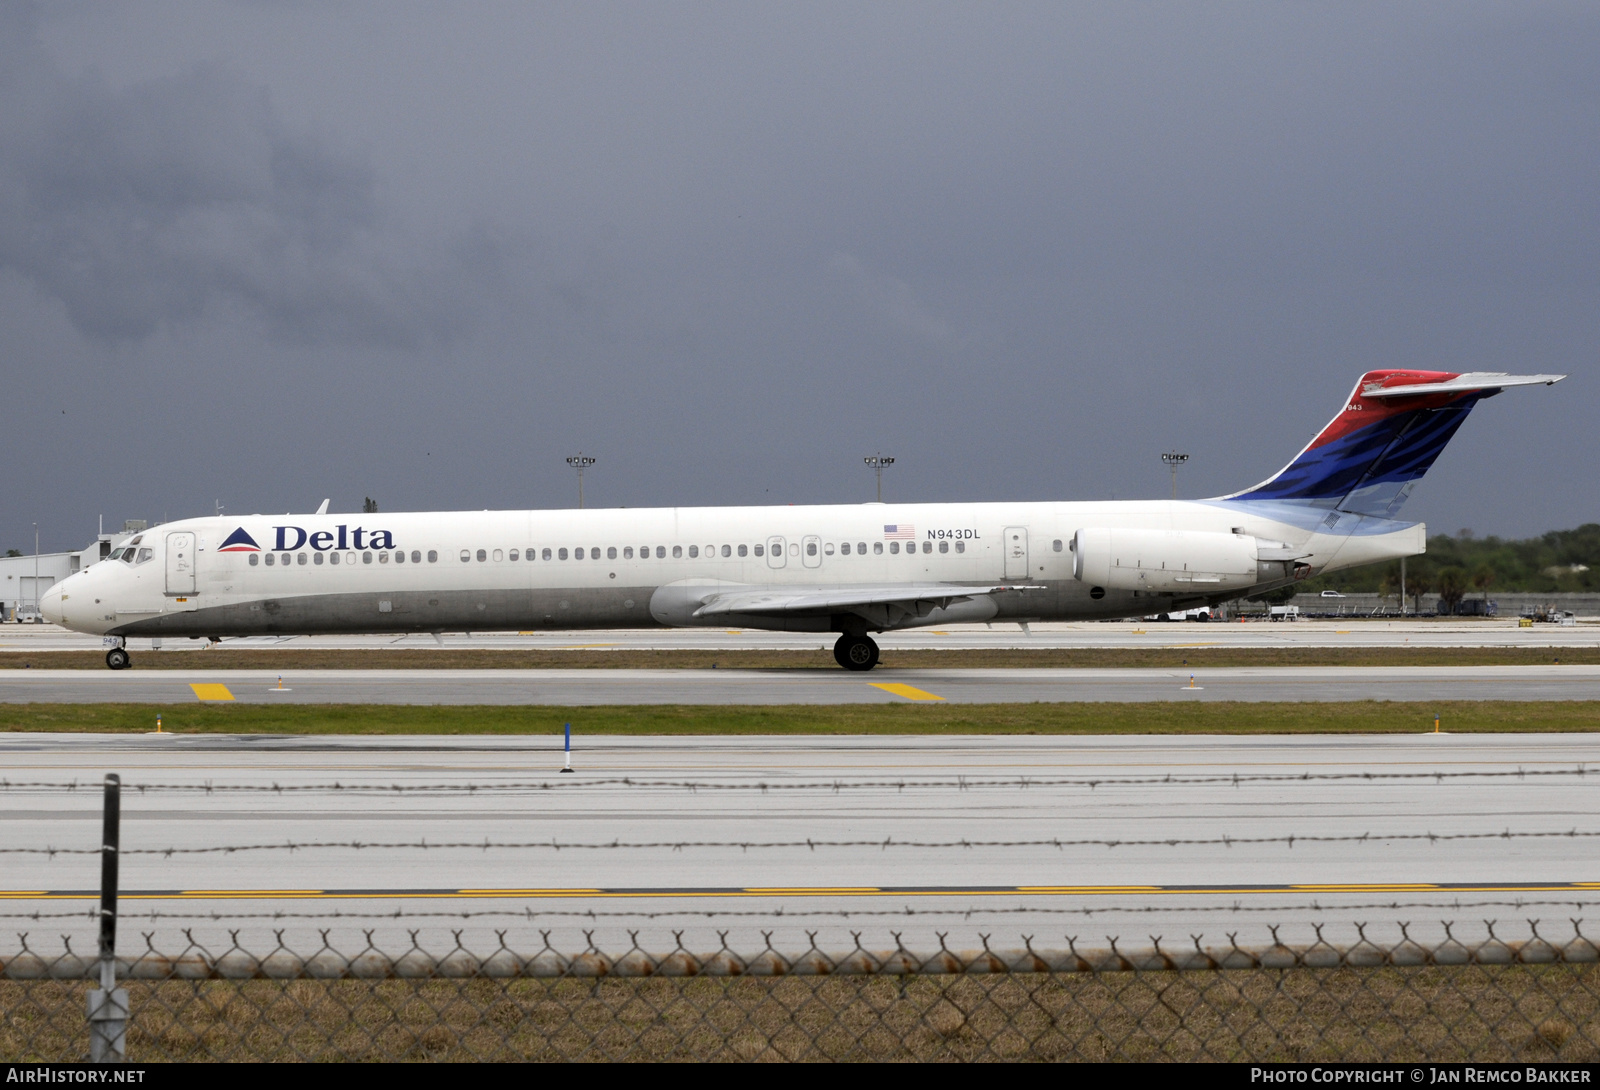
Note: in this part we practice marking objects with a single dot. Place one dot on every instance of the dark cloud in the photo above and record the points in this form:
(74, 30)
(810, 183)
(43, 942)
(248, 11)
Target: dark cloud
(186, 195)
(313, 249)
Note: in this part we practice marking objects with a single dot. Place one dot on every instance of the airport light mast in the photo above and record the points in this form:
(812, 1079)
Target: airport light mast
(1174, 460)
(580, 462)
(878, 463)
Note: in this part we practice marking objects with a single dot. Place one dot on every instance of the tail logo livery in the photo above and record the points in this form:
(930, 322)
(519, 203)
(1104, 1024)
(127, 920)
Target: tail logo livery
(239, 542)
(1370, 456)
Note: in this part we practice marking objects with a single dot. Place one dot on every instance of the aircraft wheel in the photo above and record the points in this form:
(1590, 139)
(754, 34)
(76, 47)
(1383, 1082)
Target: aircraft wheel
(118, 659)
(856, 652)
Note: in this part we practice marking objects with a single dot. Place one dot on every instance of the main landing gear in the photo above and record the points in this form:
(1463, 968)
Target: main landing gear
(856, 652)
(118, 659)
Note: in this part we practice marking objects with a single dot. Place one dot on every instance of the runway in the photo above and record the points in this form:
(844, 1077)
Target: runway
(1351, 632)
(572, 688)
(915, 836)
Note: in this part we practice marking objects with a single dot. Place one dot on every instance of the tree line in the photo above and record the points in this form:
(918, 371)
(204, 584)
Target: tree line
(1463, 564)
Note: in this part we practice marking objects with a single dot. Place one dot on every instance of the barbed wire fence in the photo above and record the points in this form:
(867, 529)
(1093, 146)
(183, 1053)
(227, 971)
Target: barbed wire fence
(1528, 991)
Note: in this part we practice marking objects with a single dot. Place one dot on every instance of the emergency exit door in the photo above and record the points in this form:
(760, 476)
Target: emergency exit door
(1016, 545)
(180, 565)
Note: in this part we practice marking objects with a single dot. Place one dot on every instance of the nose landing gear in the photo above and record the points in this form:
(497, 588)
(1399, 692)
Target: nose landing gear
(118, 659)
(856, 652)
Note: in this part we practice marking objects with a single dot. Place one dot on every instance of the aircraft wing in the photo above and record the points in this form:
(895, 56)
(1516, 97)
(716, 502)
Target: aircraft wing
(888, 604)
(834, 599)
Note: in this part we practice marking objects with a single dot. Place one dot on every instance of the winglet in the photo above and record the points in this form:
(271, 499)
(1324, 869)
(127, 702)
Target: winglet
(323, 510)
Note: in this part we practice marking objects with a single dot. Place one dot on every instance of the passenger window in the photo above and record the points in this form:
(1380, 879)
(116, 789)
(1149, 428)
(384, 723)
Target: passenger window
(927, 546)
(498, 556)
(661, 552)
(944, 546)
(545, 554)
(483, 555)
(333, 558)
(694, 551)
(861, 547)
(1055, 546)
(844, 548)
(400, 557)
(300, 558)
(577, 554)
(253, 560)
(677, 552)
(961, 546)
(828, 548)
(794, 548)
(561, 554)
(466, 555)
(366, 558)
(383, 557)
(594, 553)
(270, 559)
(894, 547)
(744, 550)
(877, 548)
(760, 549)
(512, 554)
(316, 558)
(811, 548)
(611, 552)
(727, 550)
(627, 552)
(433, 556)
(711, 550)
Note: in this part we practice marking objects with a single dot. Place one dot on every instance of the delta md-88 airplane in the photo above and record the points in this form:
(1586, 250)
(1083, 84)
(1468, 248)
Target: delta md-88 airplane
(854, 570)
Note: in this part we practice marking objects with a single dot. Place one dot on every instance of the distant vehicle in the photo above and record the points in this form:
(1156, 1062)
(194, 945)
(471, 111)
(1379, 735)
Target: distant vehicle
(1203, 613)
(1331, 594)
(1284, 613)
(28, 614)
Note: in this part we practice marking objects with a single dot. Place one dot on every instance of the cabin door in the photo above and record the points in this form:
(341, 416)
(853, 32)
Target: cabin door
(180, 565)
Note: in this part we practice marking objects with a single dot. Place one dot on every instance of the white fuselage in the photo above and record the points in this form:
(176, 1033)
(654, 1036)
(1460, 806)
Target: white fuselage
(470, 570)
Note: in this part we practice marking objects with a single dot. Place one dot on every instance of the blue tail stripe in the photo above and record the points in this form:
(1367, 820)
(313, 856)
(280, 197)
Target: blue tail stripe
(1396, 449)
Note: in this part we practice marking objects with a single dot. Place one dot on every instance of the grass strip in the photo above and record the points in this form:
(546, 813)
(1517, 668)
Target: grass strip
(1221, 717)
(1169, 655)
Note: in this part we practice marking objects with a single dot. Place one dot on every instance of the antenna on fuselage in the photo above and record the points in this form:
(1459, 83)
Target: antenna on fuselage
(323, 510)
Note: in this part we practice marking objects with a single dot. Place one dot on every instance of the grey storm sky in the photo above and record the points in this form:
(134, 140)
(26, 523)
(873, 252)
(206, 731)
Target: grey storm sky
(263, 253)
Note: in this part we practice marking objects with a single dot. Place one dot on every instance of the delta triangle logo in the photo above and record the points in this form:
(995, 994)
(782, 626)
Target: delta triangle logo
(239, 542)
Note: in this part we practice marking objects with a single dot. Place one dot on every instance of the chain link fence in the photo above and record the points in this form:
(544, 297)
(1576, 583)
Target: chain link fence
(1530, 999)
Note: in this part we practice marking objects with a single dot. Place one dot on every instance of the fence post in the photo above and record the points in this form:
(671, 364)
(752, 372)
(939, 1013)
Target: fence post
(108, 1005)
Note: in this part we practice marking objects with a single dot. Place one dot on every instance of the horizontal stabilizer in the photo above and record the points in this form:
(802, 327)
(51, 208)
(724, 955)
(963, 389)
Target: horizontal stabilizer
(1472, 380)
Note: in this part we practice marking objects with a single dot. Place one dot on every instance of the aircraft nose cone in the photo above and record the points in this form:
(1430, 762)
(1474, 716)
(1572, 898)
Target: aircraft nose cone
(50, 606)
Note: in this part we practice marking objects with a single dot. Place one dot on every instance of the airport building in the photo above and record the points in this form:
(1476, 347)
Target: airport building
(24, 579)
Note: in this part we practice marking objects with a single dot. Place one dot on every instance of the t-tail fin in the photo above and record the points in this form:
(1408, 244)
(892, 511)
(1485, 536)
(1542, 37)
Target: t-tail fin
(1370, 456)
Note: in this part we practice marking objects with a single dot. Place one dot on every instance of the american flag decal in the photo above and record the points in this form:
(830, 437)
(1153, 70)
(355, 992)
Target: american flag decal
(902, 531)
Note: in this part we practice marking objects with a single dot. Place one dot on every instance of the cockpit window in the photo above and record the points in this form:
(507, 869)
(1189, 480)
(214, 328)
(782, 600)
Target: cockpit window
(145, 554)
(127, 556)
(114, 554)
